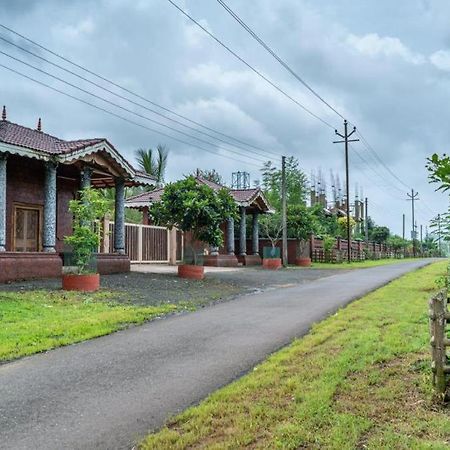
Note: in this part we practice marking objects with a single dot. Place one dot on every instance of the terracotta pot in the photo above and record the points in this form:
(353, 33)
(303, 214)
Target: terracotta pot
(191, 272)
(86, 282)
(303, 262)
(272, 263)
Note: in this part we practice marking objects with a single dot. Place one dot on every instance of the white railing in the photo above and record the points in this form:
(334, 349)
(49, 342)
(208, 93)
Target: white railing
(146, 243)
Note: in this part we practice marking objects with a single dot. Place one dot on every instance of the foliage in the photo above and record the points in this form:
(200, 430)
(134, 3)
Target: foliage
(210, 175)
(154, 162)
(85, 238)
(379, 234)
(131, 215)
(342, 386)
(301, 224)
(195, 207)
(327, 223)
(344, 224)
(271, 227)
(439, 171)
(296, 183)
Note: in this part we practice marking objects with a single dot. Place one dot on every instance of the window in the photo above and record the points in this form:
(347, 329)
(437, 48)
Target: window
(27, 228)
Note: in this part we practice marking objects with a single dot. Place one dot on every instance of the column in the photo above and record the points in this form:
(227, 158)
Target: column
(255, 234)
(119, 217)
(3, 159)
(230, 236)
(85, 177)
(49, 226)
(242, 234)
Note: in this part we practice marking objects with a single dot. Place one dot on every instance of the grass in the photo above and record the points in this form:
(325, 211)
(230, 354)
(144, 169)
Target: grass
(360, 264)
(359, 379)
(34, 321)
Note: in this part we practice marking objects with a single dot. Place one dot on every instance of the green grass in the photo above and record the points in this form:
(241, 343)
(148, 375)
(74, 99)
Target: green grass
(34, 321)
(360, 264)
(359, 379)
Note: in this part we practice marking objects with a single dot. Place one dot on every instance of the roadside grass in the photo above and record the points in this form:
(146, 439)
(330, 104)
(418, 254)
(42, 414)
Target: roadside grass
(360, 264)
(359, 379)
(34, 321)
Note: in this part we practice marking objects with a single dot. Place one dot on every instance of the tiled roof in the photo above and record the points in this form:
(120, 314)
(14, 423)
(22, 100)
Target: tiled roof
(243, 195)
(146, 197)
(13, 134)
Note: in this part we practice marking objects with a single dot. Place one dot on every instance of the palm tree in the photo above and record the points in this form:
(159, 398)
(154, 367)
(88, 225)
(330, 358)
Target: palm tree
(154, 162)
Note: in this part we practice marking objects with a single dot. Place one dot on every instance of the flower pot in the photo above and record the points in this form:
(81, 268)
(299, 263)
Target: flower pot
(85, 283)
(303, 262)
(192, 272)
(272, 263)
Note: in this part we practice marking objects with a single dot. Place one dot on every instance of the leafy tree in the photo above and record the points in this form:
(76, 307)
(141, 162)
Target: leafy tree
(271, 226)
(397, 243)
(327, 223)
(301, 224)
(154, 162)
(379, 234)
(344, 224)
(210, 175)
(439, 169)
(296, 183)
(85, 237)
(195, 207)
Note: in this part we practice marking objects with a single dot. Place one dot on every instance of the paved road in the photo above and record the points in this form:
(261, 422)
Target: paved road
(108, 392)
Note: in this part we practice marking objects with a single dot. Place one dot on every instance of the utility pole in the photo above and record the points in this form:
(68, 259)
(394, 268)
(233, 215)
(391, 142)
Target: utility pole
(404, 222)
(413, 197)
(284, 255)
(439, 234)
(421, 239)
(366, 221)
(346, 140)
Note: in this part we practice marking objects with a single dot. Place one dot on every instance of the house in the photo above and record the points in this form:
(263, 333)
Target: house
(249, 201)
(39, 175)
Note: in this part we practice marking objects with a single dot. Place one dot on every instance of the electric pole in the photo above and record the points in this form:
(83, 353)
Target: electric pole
(404, 222)
(413, 197)
(284, 255)
(345, 141)
(421, 239)
(439, 234)
(366, 221)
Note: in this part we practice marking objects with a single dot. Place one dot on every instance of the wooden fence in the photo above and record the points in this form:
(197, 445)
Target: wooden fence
(439, 319)
(146, 243)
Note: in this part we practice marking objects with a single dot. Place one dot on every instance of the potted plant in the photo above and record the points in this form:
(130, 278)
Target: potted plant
(302, 223)
(271, 227)
(84, 240)
(197, 210)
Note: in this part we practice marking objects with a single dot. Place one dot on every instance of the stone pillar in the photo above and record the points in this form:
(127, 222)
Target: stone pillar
(49, 226)
(85, 177)
(3, 159)
(119, 217)
(230, 236)
(242, 233)
(255, 234)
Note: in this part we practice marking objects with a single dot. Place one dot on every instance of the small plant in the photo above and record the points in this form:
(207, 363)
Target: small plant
(272, 228)
(84, 240)
(328, 245)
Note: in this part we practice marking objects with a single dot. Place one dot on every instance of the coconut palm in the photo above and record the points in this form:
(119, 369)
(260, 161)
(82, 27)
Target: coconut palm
(154, 162)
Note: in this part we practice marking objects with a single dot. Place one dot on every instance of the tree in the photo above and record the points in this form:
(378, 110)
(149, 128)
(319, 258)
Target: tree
(154, 162)
(85, 237)
(210, 175)
(397, 243)
(301, 224)
(271, 227)
(296, 183)
(439, 169)
(195, 207)
(327, 224)
(343, 225)
(379, 234)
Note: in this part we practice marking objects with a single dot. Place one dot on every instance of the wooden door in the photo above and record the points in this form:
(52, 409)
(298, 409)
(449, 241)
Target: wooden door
(27, 225)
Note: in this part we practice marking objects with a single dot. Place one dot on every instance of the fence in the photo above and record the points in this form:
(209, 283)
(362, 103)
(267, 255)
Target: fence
(439, 318)
(146, 243)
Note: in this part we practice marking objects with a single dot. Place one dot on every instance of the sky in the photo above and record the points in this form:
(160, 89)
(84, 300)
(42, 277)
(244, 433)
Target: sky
(383, 65)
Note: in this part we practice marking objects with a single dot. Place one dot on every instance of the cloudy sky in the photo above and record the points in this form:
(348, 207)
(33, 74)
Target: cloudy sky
(384, 65)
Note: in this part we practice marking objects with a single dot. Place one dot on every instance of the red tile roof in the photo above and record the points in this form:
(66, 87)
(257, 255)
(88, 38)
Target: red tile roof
(13, 134)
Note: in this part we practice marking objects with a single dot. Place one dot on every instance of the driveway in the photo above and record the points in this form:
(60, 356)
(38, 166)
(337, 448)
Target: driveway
(109, 392)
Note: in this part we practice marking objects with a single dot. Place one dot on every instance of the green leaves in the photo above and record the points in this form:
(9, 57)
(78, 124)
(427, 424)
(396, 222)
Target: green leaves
(195, 207)
(439, 169)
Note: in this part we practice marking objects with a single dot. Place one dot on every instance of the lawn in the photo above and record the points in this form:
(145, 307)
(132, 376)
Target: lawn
(360, 264)
(34, 321)
(359, 379)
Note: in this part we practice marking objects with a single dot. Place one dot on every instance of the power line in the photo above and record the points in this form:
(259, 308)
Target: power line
(272, 52)
(121, 117)
(126, 109)
(79, 66)
(253, 69)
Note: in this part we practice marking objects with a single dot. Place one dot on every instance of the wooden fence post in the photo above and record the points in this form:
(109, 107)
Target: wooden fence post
(439, 341)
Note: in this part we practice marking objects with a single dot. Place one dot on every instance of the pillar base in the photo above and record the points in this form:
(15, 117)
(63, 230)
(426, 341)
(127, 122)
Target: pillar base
(220, 261)
(250, 260)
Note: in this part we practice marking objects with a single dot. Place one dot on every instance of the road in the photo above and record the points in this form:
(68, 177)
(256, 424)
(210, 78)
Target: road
(108, 392)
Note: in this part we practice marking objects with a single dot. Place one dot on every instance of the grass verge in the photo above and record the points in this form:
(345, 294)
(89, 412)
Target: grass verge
(359, 379)
(360, 264)
(34, 321)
